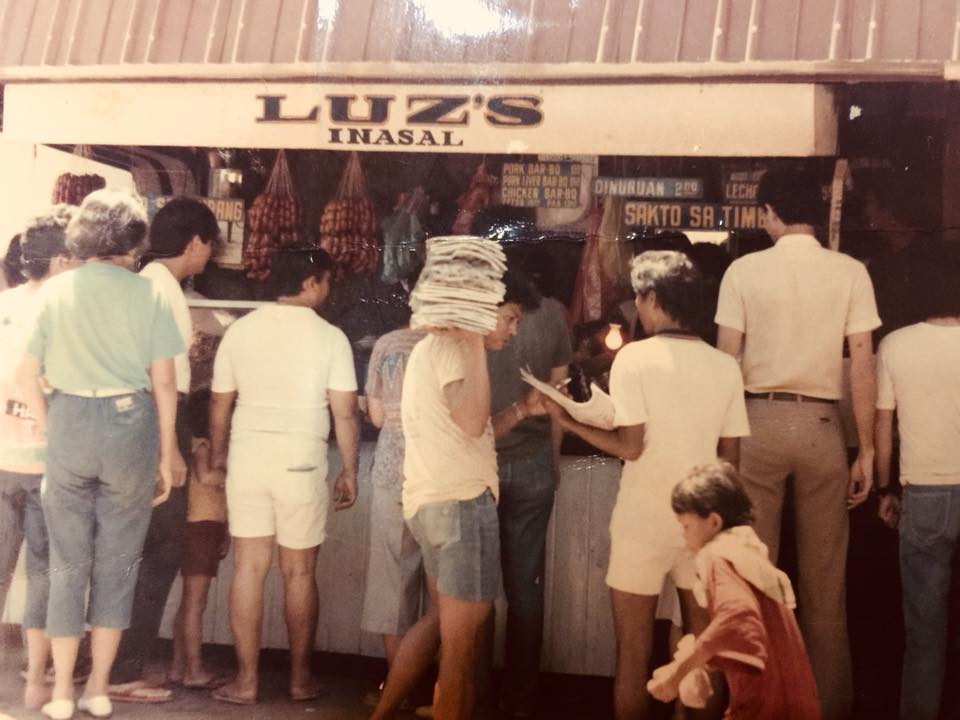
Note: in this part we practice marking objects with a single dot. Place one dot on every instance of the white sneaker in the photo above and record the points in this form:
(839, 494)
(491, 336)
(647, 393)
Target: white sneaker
(58, 709)
(99, 706)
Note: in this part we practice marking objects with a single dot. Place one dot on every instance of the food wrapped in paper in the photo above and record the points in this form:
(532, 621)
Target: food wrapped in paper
(598, 411)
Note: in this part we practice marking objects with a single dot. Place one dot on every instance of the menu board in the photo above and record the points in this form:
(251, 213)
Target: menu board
(554, 185)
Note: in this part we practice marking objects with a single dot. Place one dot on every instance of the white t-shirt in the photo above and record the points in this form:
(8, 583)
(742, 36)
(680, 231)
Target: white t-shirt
(281, 360)
(170, 288)
(918, 375)
(441, 462)
(688, 395)
(795, 303)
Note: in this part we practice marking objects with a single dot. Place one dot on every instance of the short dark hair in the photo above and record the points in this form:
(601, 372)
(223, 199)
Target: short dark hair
(291, 266)
(713, 488)
(12, 263)
(520, 290)
(198, 413)
(936, 268)
(794, 196)
(177, 223)
(44, 238)
(673, 276)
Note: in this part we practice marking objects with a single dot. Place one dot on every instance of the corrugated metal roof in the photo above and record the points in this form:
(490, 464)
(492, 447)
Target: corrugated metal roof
(41, 36)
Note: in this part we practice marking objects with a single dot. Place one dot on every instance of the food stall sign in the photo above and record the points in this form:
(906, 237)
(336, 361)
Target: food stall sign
(692, 216)
(553, 185)
(649, 187)
(230, 217)
(523, 118)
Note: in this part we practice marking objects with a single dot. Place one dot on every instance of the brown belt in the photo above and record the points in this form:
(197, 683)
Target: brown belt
(792, 397)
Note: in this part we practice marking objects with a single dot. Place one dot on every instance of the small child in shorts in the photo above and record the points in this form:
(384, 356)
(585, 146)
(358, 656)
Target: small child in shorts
(752, 637)
(205, 543)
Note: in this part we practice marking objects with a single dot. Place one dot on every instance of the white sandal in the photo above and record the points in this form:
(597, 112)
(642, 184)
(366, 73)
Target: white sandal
(99, 706)
(58, 709)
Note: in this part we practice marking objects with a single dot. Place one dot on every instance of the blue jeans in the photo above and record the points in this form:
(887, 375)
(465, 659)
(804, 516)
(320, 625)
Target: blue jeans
(929, 529)
(527, 488)
(21, 516)
(100, 478)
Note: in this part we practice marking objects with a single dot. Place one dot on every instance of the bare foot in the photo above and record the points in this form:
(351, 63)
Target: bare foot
(203, 679)
(176, 673)
(236, 692)
(308, 690)
(36, 694)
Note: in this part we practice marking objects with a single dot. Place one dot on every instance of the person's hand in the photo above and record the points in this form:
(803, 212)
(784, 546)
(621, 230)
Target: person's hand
(345, 490)
(889, 511)
(178, 469)
(665, 683)
(164, 483)
(861, 478)
(214, 476)
(552, 408)
(533, 403)
(224, 546)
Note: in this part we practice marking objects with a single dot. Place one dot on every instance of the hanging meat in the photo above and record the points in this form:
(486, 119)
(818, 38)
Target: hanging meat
(273, 219)
(481, 194)
(349, 229)
(72, 189)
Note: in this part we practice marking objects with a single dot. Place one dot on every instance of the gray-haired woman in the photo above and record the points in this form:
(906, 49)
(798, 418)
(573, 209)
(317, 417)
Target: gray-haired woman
(104, 339)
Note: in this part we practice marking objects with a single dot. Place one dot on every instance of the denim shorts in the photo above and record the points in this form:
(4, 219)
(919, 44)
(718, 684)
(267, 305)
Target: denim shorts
(460, 542)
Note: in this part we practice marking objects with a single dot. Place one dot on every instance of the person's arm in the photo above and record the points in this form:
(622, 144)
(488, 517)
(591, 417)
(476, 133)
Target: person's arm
(202, 472)
(221, 408)
(729, 340)
(889, 510)
(624, 442)
(346, 425)
(736, 632)
(557, 376)
(31, 387)
(729, 449)
(375, 411)
(469, 399)
(163, 380)
(863, 389)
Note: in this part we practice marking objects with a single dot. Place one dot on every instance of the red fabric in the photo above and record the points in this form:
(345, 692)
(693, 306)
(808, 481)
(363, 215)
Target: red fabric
(756, 643)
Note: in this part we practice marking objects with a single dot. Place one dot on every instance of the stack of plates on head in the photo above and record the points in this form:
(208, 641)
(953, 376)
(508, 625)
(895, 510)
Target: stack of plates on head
(461, 284)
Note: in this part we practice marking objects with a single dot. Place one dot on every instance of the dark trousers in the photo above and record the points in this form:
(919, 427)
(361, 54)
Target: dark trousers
(527, 489)
(162, 555)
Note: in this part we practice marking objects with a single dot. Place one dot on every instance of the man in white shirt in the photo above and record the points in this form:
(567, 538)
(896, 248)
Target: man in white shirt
(917, 379)
(287, 369)
(787, 310)
(182, 236)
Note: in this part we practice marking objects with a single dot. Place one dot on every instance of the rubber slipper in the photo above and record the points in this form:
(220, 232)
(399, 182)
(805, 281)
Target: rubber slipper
(139, 694)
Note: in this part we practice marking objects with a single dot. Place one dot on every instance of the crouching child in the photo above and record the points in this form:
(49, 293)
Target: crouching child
(752, 637)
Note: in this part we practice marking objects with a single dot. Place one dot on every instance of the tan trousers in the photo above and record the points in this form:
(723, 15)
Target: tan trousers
(805, 440)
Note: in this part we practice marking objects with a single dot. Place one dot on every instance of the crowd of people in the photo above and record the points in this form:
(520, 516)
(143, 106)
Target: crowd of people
(118, 478)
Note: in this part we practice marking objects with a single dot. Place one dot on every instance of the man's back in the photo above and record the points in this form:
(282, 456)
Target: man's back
(917, 375)
(795, 304)
(281, 360)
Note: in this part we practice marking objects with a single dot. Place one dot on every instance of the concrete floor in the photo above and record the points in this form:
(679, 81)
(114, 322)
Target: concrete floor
(347, 679)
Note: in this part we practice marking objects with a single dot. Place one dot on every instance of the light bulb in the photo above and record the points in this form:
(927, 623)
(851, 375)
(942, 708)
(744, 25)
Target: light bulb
(614, 338)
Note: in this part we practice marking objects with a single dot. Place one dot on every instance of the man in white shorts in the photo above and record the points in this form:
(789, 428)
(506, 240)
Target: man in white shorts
(679, 403)
(288, 370)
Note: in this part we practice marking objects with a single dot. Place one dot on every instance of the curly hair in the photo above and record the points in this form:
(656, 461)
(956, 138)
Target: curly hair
(44, 238)
(675, 280)
(108, 223)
